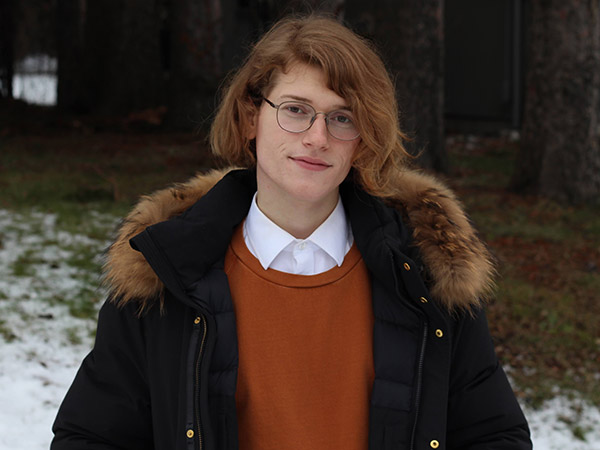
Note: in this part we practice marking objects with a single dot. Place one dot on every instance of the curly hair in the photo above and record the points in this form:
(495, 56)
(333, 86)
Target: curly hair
(353, 70)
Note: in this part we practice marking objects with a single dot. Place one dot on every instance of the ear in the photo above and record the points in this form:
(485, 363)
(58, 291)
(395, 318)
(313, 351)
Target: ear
(251, 125)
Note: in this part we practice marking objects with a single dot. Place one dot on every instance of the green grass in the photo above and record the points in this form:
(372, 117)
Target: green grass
(23, 266)
(6, 332)
(533, 218)
(73, 336)
(107, 171)
(547, 342)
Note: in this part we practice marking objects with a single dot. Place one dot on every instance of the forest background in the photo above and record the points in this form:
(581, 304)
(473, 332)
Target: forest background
(137, 82)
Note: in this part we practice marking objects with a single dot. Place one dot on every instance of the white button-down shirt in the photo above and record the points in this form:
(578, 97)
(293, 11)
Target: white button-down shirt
(275, 248)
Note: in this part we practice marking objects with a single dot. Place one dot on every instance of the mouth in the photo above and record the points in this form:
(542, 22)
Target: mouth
(311, 163)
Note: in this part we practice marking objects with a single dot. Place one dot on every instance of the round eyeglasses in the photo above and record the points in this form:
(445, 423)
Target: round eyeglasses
(297, 117)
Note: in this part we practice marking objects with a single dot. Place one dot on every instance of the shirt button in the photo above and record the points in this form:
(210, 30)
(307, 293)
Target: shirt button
(434, 444)
(302, 245)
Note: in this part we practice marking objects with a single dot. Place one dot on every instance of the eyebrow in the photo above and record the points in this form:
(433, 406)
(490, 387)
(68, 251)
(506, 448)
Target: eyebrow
(306, 100)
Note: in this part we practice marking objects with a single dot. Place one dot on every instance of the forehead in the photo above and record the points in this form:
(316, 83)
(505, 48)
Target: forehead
(304, 82)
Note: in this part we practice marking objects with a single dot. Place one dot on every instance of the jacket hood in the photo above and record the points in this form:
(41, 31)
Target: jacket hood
(459, 264)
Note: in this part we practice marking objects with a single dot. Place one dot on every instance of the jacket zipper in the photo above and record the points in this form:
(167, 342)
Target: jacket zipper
(419, 382)
(197, 381)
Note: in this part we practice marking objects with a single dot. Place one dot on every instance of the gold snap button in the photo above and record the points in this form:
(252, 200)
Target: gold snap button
(439, 333)
(434, 444)
(423, 300)
(406, 266)
(196, 321)
(190, 433)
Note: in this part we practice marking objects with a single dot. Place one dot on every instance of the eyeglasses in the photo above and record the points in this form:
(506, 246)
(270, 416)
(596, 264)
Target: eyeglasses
(297, 117)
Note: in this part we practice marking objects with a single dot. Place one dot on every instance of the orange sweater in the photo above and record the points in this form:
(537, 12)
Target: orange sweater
(305, 354)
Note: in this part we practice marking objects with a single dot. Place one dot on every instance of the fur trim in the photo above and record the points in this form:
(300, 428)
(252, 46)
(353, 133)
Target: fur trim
(460, 265)
(126, 272)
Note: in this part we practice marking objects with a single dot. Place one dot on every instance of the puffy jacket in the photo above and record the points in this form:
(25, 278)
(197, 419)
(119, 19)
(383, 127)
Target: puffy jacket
(162, 373)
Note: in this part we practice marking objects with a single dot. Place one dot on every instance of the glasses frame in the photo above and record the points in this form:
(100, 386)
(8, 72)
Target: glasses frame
(312, 120)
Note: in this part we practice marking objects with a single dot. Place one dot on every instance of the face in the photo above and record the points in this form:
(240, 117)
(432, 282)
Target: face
(301, 169)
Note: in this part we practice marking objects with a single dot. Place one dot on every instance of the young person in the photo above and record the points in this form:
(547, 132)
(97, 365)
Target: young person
(325, 297)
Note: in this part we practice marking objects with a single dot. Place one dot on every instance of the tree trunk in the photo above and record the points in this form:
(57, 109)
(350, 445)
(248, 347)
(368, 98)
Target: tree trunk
(560, 153)
(207, 39)
(72, 90)
(123, 53)
(410, 35)
(109, 56)
(7, 43)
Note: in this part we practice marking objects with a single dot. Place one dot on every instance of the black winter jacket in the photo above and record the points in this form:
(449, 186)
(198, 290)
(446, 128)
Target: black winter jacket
(162, 373)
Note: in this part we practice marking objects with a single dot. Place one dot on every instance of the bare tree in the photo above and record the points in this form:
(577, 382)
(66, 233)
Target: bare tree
(560, 152)
(410, 35)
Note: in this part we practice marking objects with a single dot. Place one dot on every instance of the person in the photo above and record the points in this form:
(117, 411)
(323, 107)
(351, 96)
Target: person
(323, 296)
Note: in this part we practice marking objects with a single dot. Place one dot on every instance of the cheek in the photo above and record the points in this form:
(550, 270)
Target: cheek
(264, 132)
(262, 157)
(352, 153)
(272, 140)
(347, 157)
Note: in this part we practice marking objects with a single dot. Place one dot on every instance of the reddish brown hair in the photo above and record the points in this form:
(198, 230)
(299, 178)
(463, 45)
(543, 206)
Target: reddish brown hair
(354, 71)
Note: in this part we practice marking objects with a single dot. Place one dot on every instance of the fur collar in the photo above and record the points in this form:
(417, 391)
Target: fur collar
(460, 265)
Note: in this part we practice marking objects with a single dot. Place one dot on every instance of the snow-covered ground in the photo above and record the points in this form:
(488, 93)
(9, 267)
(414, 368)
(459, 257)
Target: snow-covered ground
(42, 344)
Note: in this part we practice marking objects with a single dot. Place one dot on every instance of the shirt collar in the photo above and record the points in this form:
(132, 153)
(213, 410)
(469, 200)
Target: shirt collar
(266, 240)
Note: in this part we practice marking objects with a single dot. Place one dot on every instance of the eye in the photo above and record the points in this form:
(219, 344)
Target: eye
(341, 118)
(295, 109)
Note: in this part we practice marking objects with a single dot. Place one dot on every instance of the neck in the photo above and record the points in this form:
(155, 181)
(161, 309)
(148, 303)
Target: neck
(298, 218)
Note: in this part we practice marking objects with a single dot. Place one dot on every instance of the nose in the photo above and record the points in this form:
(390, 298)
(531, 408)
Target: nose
(317, 135)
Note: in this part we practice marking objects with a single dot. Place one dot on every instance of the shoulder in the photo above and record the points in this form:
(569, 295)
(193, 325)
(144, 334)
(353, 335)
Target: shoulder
(127, 274)
(459, 263)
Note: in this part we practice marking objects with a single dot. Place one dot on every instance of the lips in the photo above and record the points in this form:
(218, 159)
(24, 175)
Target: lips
(311, 163)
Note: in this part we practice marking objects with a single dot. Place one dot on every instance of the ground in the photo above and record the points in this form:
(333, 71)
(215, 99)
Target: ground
(65, 182)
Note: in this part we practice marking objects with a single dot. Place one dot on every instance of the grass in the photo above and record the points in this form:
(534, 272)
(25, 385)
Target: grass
(23, 266)
(546, 310)
(6, 332)
(105, 170)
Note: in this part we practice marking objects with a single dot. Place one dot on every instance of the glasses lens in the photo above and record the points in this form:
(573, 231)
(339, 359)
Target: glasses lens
(294, 116)
(341, 125)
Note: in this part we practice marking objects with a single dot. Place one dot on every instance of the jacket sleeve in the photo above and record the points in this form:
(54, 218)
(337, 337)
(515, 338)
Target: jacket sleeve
(107, 406)
(483, 412)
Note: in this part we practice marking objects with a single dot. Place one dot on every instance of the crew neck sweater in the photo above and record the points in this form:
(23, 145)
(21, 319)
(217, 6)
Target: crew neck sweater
(305, 353)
